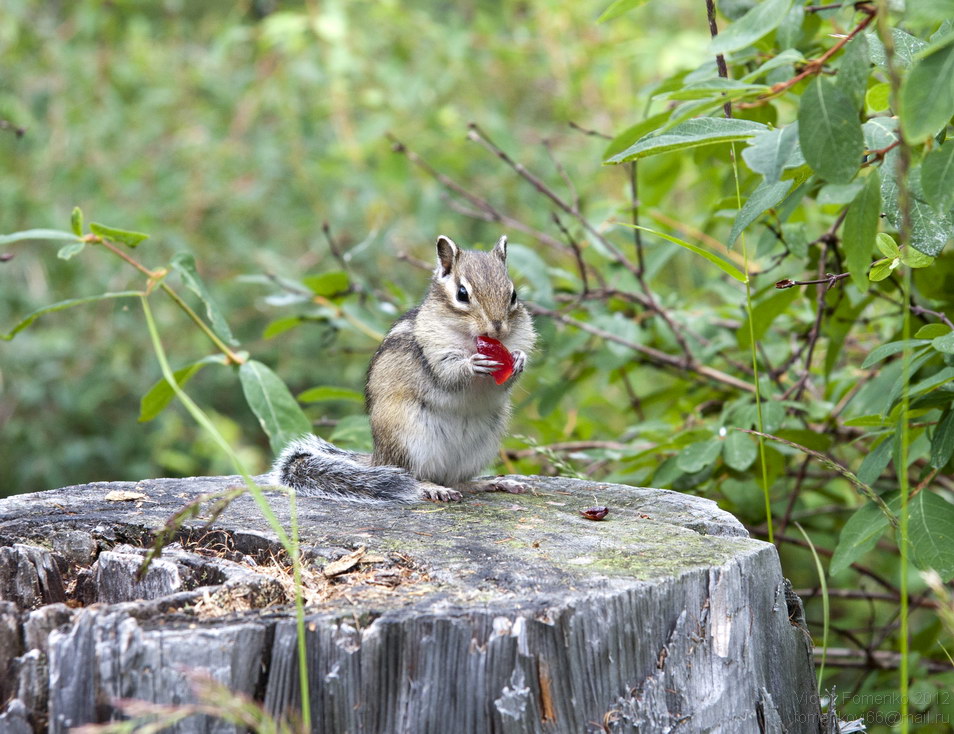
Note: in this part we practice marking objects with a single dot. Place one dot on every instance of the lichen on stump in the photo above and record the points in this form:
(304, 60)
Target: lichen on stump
(504, 613)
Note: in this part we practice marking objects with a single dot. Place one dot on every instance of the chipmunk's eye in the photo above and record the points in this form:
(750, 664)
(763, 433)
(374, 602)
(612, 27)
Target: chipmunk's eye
(462, 295)
(513, 297)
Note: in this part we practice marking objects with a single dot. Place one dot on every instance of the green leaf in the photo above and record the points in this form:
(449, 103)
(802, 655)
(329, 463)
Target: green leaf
(279, 326)
(325, 393)
(809, 439)
(865, 421)
(618, 8)
(894, 393)
(788, 57)
(927, 95)
(549, 396)
(740, 451)
(932, 331)
(353, 432)
(876, 461)
(690, 134)
(906, 47)
(725, 89)
(852, 76)
(765, 197)
(931, 531)
(773, 151)
(70, 250)
(697, 456)
(916, 259)
(279, 415)
(839, 194)
(756, 23)
(879, 133)
(124, 236)
(36, 234)
(76, 221)
(184, 264)
(937, 177)
(878, 98)
(881, 270)
(944, 343)
(930, 230)
(829, 131)
(161, 394)
(942, 443)
(633, 133)
(773, 414)
(886, 245)
(764, 313)
(790, 31)
(534, 271)
(858, 536)
(62, 305)
(723, 265)
(929, 11)
(941, 377)
(861, 226)
(330, 284)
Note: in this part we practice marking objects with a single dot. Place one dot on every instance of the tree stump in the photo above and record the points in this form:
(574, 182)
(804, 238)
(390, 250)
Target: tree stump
(503, 613)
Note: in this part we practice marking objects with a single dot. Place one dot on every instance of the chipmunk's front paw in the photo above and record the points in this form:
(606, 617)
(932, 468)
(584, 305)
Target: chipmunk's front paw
(481, 364)
(437, 493)
(519, 361)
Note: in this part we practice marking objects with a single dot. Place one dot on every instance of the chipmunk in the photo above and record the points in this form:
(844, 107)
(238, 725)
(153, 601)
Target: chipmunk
(437, 414)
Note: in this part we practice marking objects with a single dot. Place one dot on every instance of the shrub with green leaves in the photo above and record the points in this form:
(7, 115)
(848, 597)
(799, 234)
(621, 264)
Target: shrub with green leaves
(826, 130)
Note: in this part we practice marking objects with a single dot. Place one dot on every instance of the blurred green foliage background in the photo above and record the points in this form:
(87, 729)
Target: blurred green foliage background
(234, 130)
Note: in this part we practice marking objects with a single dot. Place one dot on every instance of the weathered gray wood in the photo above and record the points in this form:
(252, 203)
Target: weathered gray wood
(501, 614)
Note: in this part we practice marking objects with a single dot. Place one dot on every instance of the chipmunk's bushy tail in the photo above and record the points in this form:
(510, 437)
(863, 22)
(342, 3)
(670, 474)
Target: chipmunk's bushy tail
(317, 468)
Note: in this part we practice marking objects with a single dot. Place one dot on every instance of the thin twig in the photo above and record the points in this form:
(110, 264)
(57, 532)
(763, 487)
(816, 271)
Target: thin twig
(843, 657)
(799, 387)
(577, 253)
(634, 215)
(815, 66)
(860, 595)
(662, 358)
(634, 401)
(574, 194)
(796, 491)
(477, 135)
(922, 311)
(829, 280)
(487, 211)
(876, 156)
(720, 59)
(335, 249)
(588, 131)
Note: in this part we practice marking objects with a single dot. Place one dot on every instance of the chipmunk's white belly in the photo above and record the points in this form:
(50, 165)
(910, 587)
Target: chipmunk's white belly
(457, 440)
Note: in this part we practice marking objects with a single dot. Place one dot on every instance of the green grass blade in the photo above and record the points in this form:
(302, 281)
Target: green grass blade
(724, 265)
(62, 305)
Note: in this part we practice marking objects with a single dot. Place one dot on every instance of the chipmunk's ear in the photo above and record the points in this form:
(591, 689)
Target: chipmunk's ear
(447, 254)
(500, 249)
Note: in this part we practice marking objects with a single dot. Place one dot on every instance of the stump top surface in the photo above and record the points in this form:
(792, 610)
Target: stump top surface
(488, 548)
